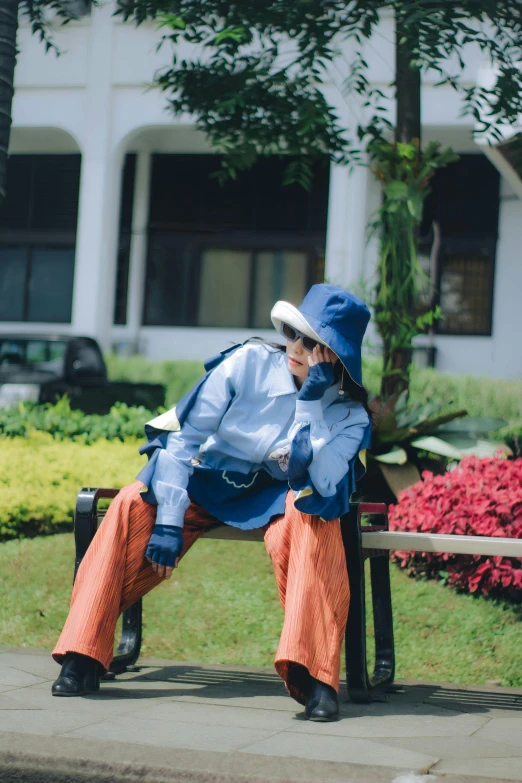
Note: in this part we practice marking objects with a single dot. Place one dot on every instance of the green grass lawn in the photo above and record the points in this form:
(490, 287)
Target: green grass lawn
(221, 606)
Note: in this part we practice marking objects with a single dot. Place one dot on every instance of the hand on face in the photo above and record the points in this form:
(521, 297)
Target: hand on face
(321, 354)
(300, 360)
(320, 374)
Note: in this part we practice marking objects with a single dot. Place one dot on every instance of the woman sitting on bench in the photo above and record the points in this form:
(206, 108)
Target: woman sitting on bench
(266, 439)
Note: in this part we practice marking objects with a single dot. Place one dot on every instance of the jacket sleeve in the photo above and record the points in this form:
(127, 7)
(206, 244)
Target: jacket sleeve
(173, 467)
(320, 454)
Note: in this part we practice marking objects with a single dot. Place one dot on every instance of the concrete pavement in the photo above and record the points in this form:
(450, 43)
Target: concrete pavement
(177, 721)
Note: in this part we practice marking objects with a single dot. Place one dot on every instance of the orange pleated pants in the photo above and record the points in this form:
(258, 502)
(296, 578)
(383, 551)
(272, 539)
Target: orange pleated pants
(309, 565)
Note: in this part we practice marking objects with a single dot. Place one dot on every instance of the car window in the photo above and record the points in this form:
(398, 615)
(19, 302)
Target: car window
(46, 355)
(38, 354)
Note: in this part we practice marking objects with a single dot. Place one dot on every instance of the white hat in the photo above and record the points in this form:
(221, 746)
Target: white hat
(284, 312)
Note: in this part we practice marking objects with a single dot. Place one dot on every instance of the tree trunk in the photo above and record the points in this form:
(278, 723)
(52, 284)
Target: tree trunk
(407, 128)
(8, 28)
(407, 94)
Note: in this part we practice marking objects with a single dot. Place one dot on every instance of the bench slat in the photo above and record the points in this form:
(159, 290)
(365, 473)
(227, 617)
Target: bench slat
(428, 542)
(229, 533)
(223, 532)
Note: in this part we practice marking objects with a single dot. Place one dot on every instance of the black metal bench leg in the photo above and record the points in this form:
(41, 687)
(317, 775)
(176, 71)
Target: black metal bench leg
(384, 669)
(355, 636)
(361, 687)
(130, 642)
(85, 526)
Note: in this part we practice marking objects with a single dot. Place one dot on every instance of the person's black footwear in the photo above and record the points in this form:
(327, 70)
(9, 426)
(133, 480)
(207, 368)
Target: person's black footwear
(321, 702)
(80, 674)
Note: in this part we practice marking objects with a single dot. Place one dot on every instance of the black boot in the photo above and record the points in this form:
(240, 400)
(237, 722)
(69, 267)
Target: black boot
(321, 702)
(80, 674)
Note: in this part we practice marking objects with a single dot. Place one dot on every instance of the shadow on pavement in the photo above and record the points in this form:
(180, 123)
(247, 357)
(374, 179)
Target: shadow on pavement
(200, 682)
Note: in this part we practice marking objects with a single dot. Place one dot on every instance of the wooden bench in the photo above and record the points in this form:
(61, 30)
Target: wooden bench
(361, 541)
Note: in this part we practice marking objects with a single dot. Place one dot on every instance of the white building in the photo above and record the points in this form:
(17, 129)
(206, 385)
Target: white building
(113, 229)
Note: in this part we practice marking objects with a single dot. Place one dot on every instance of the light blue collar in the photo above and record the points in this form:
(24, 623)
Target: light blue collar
(281, 379)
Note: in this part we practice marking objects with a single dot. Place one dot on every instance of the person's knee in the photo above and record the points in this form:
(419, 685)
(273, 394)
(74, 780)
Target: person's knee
(139, 508)
(129, 508)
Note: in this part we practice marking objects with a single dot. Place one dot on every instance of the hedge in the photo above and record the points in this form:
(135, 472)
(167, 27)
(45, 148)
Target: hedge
(480, 396)
(177, 376)
(40, 478)
(495, 397)
(62, 423)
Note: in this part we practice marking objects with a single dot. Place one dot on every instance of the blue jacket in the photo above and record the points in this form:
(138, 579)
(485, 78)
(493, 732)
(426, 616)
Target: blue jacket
(241, 438)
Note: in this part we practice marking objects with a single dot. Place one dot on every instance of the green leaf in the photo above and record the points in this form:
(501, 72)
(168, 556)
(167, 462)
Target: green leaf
(393, 457)
(408, 151)
(396, 190)
(473, 425)
(413, 208)
(230, 34)
(437, 446)
(172, 21)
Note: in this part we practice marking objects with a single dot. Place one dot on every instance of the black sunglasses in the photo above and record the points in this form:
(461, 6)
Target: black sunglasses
(309, 343)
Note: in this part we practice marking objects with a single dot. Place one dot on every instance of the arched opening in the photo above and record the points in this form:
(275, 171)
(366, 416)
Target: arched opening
(38, 227)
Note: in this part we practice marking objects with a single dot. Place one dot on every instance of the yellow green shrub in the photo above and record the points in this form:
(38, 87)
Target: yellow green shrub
(40, 478)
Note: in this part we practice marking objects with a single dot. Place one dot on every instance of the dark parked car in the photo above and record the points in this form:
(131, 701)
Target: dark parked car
(44, 367)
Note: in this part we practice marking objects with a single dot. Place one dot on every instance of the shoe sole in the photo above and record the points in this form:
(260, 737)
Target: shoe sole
(324, 720)
(78, 693)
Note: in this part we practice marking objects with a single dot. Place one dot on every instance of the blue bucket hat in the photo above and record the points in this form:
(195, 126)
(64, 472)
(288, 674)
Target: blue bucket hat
(331, 316)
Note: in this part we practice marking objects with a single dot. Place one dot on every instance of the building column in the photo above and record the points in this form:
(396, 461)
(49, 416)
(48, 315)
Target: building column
(100, 192)
(138, 246)
(96, 247)
(347, 230)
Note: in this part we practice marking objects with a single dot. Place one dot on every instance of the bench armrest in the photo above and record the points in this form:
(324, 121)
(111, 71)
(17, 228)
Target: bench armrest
(86, 519)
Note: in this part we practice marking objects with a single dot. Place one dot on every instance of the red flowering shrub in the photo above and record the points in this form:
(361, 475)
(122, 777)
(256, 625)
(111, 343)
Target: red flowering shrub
(481, 497)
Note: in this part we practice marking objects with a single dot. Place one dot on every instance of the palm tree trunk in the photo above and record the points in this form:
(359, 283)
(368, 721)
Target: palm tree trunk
(407, 128)
(8, 28)
(407, 93)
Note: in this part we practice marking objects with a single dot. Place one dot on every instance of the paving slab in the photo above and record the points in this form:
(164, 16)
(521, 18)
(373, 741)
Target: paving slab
(347, 749)
(5, 688)
(39, 665)
(474, 747)
(48, 722)
(507, 730)
(215, 715)
(195, 723)
(170, 734)
(423, 723)
(100, 706)
(9, 675)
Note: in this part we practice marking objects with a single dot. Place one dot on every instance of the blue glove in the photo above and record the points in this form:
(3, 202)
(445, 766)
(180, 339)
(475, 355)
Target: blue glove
(165, 545)
(320, 377)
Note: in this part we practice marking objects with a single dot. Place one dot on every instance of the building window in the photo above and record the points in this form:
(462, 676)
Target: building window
(239, 287)
(466, 288)
(38, 238)
(221, 256)
(190, 284)
(459, 230)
